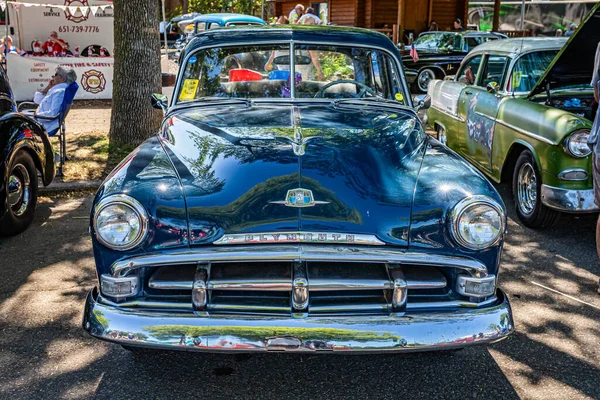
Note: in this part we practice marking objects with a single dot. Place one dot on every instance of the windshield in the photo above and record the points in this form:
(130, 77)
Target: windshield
(264, 72)
(529, 69)
(438, 41)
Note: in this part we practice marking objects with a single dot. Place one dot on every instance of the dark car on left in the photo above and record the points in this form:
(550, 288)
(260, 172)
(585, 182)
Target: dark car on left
(440, 54)
(25, 150)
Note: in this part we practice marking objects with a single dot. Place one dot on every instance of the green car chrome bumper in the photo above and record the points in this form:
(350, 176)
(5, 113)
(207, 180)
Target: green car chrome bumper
(410, 331)
(567, 200)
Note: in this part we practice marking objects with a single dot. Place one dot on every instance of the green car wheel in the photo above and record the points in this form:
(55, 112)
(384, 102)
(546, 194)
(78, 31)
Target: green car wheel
(527, 184)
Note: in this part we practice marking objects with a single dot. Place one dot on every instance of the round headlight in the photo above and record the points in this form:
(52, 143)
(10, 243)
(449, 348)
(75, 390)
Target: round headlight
(576, 144)
(477, 222)
(120, 222)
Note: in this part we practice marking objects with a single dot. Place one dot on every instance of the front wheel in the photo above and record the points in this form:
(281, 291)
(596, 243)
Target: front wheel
(425, 76)
(527, 185)
(21, 195)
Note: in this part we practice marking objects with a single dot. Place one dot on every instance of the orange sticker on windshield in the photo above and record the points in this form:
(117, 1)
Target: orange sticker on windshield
(188, 90)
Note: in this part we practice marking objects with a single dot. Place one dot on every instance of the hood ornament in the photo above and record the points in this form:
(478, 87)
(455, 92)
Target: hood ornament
(298, 142)
(299, 198)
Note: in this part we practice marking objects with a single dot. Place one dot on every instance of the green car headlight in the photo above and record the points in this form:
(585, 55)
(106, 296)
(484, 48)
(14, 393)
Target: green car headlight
(477, 222)
(576, 144)
(120, 222)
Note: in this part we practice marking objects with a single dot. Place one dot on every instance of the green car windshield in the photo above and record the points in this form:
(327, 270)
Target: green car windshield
(438, 41)
(264, 71)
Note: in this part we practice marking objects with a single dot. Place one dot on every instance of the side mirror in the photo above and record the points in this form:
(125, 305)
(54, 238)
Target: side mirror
(422, 102)
(492, 87)
(160, 101)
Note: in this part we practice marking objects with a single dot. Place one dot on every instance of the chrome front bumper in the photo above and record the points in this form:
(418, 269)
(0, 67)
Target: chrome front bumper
(413, 331)
(565, 200)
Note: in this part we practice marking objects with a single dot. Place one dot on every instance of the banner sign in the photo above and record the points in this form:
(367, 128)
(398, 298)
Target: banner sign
(80, 23)
(29, 74)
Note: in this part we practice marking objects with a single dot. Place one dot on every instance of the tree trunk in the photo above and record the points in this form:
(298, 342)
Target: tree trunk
(137, 72)
(184, 6)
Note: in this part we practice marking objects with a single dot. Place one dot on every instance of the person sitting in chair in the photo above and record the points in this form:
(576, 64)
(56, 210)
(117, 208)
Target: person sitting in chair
(51, 97)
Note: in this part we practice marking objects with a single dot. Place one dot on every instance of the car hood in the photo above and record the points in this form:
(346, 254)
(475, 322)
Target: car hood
(237, 163)
(574, 64)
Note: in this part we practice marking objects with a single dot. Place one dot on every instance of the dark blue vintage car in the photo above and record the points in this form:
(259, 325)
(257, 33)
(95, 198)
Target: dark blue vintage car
(24, 150)
(292, 201)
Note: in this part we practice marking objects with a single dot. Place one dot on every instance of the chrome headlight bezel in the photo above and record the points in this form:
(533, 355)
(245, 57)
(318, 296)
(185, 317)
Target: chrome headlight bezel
(468, 203)
(569, 143)
(135, 206)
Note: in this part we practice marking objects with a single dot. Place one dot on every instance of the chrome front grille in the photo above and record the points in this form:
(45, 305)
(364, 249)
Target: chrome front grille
(282, 288)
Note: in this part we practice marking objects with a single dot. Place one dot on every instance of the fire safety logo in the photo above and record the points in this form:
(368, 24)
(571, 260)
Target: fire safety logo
(93, 81)
(74, 13)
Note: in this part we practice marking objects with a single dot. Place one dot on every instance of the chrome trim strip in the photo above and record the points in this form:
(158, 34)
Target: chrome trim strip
(569, 200)
(562, 174)
(317, 284)
(219, 307)
(526, 133)
(275, 285)
(320, 284)
(398, 332)
(298, 252)
(299, 237)
(351, 308)
(446, 113)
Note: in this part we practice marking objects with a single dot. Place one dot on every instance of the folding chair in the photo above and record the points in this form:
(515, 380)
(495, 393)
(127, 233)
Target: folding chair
(65, 107)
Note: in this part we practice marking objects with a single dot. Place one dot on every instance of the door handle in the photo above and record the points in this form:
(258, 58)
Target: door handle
(468, 92)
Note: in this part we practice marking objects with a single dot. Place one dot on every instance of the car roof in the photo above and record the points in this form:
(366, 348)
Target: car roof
(249, 35)
(228, 17)
(517, 46)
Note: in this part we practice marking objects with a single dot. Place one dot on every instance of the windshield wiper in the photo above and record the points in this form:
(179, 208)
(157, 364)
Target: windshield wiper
(362, 101)
(248, 102)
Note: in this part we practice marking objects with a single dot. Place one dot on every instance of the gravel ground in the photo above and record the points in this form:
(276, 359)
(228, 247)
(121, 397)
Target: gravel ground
(45, 354)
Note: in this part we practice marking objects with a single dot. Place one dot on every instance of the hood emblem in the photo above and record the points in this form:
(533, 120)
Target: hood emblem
(299, 198)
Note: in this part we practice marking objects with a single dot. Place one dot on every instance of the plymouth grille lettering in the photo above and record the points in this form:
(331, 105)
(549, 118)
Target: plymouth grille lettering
(299, 237)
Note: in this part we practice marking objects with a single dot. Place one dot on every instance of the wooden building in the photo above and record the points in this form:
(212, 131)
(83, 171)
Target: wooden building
(410, 15)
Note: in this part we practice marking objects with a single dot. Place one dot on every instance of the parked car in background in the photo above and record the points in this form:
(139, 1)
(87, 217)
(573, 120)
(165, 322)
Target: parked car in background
(440, 54)
(524, 116)
(307, 214)
(212, 21)
(24, 150)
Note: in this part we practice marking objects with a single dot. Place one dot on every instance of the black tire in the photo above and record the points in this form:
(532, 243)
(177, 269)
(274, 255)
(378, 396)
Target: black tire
(526, 187)
(20, 212)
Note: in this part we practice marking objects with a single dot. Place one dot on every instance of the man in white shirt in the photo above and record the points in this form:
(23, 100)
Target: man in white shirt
(50, 98)
(296, 13)
(310, 13)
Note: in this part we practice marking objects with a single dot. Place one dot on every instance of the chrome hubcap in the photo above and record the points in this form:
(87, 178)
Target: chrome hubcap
(19, 189)
(424, 78)
(526, 189)
(442, 135)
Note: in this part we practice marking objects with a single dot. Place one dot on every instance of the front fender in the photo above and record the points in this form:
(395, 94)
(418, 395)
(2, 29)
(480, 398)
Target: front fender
(20, 132)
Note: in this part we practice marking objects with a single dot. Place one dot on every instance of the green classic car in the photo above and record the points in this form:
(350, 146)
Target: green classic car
(521, 110)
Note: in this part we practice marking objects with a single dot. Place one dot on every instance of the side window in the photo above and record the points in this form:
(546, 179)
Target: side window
(471, 42)
(469, 70)
(200, 26)
(213, 25)
(494, 71)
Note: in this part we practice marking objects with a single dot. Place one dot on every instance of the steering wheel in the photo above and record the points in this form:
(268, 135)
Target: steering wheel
(364, 88)
(233, 59)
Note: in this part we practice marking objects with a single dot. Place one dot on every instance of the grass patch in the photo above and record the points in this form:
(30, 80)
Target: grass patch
(91, 157)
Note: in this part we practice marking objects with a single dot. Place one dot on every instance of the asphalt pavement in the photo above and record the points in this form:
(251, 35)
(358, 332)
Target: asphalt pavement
(551, 277)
